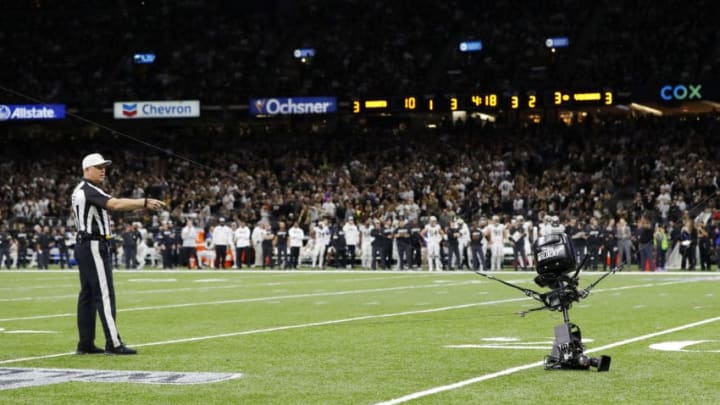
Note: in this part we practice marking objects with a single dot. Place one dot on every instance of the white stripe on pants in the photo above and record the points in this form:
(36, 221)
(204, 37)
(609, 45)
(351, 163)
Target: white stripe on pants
(105, 292)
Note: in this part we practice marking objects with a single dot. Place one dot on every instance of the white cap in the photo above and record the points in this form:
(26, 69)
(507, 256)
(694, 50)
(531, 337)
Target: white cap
(433, 218)
(94, 159)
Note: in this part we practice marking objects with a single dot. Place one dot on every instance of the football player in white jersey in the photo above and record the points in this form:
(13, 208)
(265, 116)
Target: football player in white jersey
(496, 234)
(322, 239)
(464, 240)
(366, 240)
(433, 234)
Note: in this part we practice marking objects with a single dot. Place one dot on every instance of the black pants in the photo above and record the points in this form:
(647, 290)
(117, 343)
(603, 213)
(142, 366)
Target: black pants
(478, 258)
(688, 256)
(220, 252)
(5, 258)
(454, 252)
(705, 262)
(417, 255)
(241, 256)
(64, 259)
(43, 258)
(267, 255)
(294, 257)
(340, 256)
(167, 258)
(282, 256)
(351, 254)
(594, 252)
(379, 252)
(130, 253)
(187, 253)
(404, 255)
(660, 258)
(97, 293)
(519, 254)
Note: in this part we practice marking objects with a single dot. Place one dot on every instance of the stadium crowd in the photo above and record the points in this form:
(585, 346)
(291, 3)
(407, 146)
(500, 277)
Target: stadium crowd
(224, 52)
(471, 172)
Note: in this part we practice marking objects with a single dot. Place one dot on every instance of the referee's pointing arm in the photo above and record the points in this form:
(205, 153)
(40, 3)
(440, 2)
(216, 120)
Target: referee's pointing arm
(127, 204)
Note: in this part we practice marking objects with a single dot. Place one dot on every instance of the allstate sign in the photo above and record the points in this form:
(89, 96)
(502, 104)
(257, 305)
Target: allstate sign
(30, 112)
(156, 109)
(292, 105)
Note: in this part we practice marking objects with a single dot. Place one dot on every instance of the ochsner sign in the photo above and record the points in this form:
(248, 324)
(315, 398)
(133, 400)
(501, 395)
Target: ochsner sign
(156, 109)
(292, 105)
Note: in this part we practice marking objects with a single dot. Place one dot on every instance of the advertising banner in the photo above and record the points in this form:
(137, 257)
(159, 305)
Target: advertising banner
(31, 112)
(292, 105)
(156, 109)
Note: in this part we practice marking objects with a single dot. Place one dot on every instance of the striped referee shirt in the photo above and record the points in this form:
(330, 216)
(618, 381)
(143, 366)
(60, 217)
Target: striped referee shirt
(88, 205)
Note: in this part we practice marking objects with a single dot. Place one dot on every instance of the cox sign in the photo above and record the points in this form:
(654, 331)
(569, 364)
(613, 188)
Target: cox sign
(681, 92)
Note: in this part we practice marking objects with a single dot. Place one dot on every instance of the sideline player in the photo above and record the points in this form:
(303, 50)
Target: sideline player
(90, 205)
(496, 233)
(433, 234)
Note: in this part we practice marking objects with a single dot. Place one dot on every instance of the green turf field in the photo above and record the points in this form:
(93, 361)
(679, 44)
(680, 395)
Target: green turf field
(366, 338)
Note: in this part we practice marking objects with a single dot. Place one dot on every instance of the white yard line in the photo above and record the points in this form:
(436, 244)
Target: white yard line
(257, 299)
(325, 294)
(182, 289)
(39, 287)
(330, 322)
(288, 327)
(460, 384)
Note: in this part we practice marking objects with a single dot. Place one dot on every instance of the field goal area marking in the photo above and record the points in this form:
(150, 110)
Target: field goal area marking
(460, 384)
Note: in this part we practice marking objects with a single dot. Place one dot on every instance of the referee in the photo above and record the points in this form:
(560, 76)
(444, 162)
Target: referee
(90, 205)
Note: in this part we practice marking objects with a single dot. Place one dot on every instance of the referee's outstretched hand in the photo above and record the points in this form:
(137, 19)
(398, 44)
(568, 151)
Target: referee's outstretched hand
(153, 204)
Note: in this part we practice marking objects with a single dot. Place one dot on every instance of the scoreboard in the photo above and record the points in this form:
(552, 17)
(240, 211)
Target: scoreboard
(488, 101)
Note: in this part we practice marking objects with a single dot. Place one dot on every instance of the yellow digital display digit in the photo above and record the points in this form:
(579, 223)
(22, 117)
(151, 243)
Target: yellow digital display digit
(532, 101)
(514, 102)
(608, 98)
(453, 104)
(557, 98)
(491, 100)
(477, 100)
(409, 103)
(356, 107)
(431, 105)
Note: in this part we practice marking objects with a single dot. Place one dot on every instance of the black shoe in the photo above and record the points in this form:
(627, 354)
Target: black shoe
(120, 350)
(89, 350)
